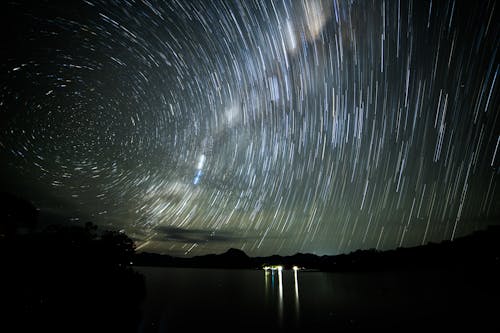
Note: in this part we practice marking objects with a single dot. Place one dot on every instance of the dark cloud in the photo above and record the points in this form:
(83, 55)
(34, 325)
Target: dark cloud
(167, 233)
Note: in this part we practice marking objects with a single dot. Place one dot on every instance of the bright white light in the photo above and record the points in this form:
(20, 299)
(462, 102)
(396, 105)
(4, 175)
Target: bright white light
(290, 34)
(201, 162)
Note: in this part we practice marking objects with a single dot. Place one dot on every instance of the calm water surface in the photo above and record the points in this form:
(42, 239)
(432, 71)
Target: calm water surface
(184, 299)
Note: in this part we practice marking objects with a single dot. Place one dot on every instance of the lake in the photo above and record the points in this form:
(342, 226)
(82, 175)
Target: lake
(188, 299)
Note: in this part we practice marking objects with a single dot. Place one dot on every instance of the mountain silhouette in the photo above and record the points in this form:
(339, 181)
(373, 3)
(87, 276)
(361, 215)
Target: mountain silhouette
(479, 249)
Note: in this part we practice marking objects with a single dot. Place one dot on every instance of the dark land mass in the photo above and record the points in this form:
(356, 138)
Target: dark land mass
(65, 278)
(480, 249)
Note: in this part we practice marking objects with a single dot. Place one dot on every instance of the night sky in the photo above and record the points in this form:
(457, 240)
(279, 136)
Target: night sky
(269, 126)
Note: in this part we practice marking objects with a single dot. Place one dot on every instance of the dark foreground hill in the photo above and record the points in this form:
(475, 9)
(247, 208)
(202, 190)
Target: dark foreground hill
(69, 279)
(480, 249)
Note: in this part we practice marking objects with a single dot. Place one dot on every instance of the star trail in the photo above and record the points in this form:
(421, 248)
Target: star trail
(269, 126)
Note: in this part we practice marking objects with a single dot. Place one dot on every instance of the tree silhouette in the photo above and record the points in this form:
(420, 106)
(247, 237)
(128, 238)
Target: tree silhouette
(67, 278)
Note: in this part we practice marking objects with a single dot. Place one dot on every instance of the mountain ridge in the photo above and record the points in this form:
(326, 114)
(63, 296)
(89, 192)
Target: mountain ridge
(481, 248)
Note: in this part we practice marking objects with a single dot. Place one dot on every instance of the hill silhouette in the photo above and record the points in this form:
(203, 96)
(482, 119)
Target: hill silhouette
(480, 249)
(65, 278)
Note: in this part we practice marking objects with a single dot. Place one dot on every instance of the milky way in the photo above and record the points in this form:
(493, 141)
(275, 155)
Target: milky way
(270, 126)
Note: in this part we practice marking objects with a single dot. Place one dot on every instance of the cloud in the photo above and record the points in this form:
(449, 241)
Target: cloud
(174, 234)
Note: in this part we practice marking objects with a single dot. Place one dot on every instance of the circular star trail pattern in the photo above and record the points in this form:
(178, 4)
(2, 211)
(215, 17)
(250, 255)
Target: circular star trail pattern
(270, 126)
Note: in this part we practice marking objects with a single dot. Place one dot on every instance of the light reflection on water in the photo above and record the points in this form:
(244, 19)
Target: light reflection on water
(296, 285)
(280, 300)
(275, 290)
(187, 300)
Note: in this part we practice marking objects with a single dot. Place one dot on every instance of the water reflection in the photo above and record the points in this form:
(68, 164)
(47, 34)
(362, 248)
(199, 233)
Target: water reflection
(296, 285)
(275, 295)
(280, 298)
